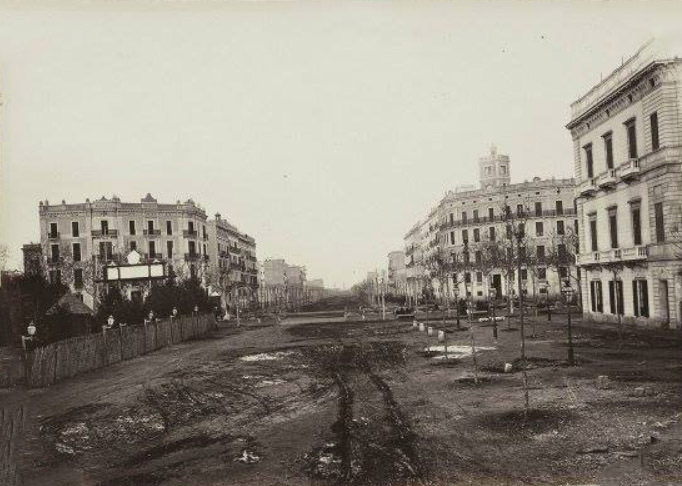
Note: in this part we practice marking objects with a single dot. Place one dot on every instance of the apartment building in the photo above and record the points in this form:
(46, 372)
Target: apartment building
(468, 219)
(627, 139)
(283, 284)
(79, 240)
(232, 261)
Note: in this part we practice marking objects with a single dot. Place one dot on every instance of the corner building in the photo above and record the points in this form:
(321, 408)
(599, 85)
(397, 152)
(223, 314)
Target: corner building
(627, 143)
(468, 218)
(79, 240)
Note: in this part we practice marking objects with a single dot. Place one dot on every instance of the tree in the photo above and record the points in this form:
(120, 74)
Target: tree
(4, 256)
(560, 257)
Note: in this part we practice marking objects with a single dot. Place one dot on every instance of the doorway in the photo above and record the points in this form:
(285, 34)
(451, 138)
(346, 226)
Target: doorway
(665, 302)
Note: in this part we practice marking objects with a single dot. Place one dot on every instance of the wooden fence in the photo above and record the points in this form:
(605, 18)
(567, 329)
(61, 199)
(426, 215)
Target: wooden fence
(11, 431)
(49, 364)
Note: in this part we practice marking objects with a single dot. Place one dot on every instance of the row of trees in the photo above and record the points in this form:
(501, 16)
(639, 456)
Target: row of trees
(514, 253)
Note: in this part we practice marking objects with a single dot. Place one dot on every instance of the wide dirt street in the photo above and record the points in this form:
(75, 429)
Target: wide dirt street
(321, 401)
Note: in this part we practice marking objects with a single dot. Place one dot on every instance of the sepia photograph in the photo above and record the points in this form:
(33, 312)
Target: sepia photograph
(340, 243)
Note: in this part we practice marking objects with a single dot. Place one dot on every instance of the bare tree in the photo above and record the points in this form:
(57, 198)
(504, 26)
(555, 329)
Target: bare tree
(4, 256)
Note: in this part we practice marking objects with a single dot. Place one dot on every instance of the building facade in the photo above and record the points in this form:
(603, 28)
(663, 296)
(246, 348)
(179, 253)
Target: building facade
(79, 240)
(232, 261)
(627, 139)
(283, 285)
(467, 224)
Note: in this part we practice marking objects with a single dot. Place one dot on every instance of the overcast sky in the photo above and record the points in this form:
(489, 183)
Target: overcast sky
(325, 130)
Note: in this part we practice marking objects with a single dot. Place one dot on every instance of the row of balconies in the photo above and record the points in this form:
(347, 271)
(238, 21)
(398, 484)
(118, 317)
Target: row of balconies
(614, 255)
(113, 233)
(549, 213)
(626, 172)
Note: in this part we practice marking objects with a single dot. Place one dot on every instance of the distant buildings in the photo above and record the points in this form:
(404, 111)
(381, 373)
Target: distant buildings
(286, 286)
(397, 273)
(627, 138)
(466, 225)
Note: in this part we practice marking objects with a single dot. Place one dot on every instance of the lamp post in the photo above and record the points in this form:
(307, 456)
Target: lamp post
(493, 294)
(568, 292)
(174, 312)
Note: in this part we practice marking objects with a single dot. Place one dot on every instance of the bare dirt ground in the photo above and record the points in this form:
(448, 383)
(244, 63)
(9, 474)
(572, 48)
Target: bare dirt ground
(321, 401)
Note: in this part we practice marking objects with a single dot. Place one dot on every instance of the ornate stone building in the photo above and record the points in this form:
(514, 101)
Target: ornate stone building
(233, 265)
(627, 139)
(468, 219)
(79, 240)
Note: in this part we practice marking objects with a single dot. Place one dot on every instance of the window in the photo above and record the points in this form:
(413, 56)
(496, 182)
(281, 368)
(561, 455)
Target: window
(563, 272)
(204, 249)
(55, 253)
(488, 170)
(658, 215)
(464, 217)
(133, 246)
(75, 230)
(503, 169)
(203, 230)
(632, 138)
(192, 248)
(542, 273)
(560, 228)
(78, 278)
(509, 232)
(524, 274)
(491, 233)
(588, 160)
(465, 237)
(475, 215)
(479, 277)
(106, 251)
(653, 120)
(522, 253)
(540, 253)
(467, 258)
(152, 249)
(593, 232)
(613, 227)
(467, 277)
(452, 220)
(169, 227)
(150, 227)
(522, 230)
(76, 252)
(491, 214)
(452, 237)
(636, 216)
(519, 209)
(104, 226)
(479, 257)
(131, 227)
(477, 235)
(53, 230)
(559, 208)
(616, 296)
(640, 298)
(561, 252)
(539, 228)
(597, 305)
(169, 249)
(608, 149)
(538, 209)
(190, 227)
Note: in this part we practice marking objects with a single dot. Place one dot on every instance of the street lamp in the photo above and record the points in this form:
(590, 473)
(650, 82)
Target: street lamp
(174, 312)
(568, 292)
(151, 316)
(493, 294)
(31, 330)
(110, 321)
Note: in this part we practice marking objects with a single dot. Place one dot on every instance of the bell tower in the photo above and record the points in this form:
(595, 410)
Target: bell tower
(494, 169)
